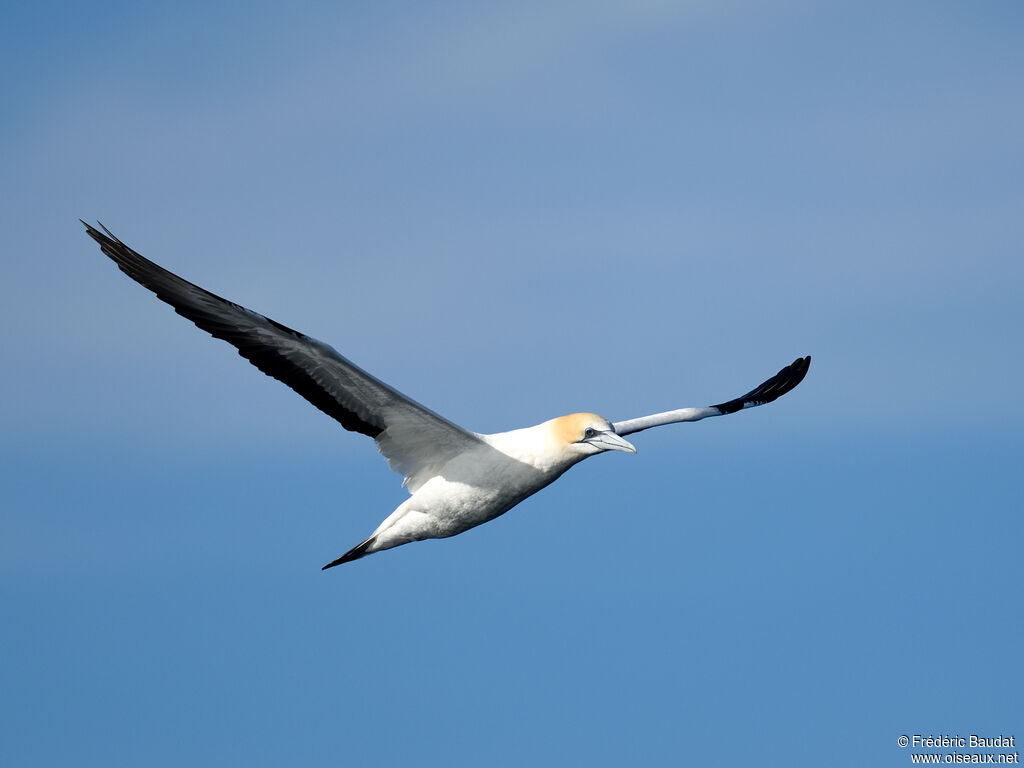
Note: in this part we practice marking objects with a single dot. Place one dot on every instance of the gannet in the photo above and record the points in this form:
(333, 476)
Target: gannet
(456, 479)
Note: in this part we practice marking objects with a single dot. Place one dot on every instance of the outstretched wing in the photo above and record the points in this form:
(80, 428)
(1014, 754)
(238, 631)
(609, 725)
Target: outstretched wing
(415, 441)
(773, 388)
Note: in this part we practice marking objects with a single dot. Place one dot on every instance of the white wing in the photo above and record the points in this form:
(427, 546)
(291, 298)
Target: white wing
(415, 441)
(773, 388)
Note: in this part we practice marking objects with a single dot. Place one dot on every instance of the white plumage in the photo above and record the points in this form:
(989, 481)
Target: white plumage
(457, 479)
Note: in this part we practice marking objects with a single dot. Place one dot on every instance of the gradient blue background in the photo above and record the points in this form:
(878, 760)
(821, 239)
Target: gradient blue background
(513, 211)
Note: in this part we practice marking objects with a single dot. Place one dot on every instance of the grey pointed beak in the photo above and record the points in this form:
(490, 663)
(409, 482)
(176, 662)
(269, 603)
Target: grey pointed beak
(609, 441)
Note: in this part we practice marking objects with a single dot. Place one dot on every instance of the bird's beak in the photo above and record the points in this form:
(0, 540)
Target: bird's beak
(609, 441)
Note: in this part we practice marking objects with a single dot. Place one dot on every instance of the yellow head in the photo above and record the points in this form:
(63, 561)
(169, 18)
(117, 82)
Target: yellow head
(587, 434)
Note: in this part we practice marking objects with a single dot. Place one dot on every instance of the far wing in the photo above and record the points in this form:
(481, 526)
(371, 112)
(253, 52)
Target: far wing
(415, 441)
(773, 388)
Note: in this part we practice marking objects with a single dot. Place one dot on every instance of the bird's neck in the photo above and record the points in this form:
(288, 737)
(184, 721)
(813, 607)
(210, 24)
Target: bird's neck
(535, 446)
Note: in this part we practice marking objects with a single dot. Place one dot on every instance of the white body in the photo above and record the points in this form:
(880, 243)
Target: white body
(478, 485)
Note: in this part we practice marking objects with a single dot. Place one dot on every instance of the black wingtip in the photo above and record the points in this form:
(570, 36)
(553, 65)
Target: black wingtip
(353, 554)
(772, 389)
(100, 237)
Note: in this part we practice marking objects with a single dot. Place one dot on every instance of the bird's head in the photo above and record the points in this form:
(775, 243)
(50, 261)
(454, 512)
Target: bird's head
(587, 434)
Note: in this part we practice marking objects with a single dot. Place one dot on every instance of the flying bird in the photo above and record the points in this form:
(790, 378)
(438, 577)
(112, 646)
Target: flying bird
(456, 479)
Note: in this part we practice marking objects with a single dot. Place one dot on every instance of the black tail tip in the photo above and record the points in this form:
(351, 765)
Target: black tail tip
(353, 554)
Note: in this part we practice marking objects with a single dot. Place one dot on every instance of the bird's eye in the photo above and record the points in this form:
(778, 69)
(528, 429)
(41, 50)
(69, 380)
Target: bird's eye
(589, 432)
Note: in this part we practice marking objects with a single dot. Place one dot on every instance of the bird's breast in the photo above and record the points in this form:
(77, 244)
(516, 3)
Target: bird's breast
(478, 486)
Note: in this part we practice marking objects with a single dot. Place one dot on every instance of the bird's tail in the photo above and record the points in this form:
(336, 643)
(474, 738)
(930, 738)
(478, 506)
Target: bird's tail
(361, 550)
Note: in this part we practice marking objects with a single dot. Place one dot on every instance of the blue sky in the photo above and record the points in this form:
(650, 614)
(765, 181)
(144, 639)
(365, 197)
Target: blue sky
(513, 211)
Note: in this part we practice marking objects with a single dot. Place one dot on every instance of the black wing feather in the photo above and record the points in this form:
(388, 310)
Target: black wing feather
(279, 351)
(769, 390)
